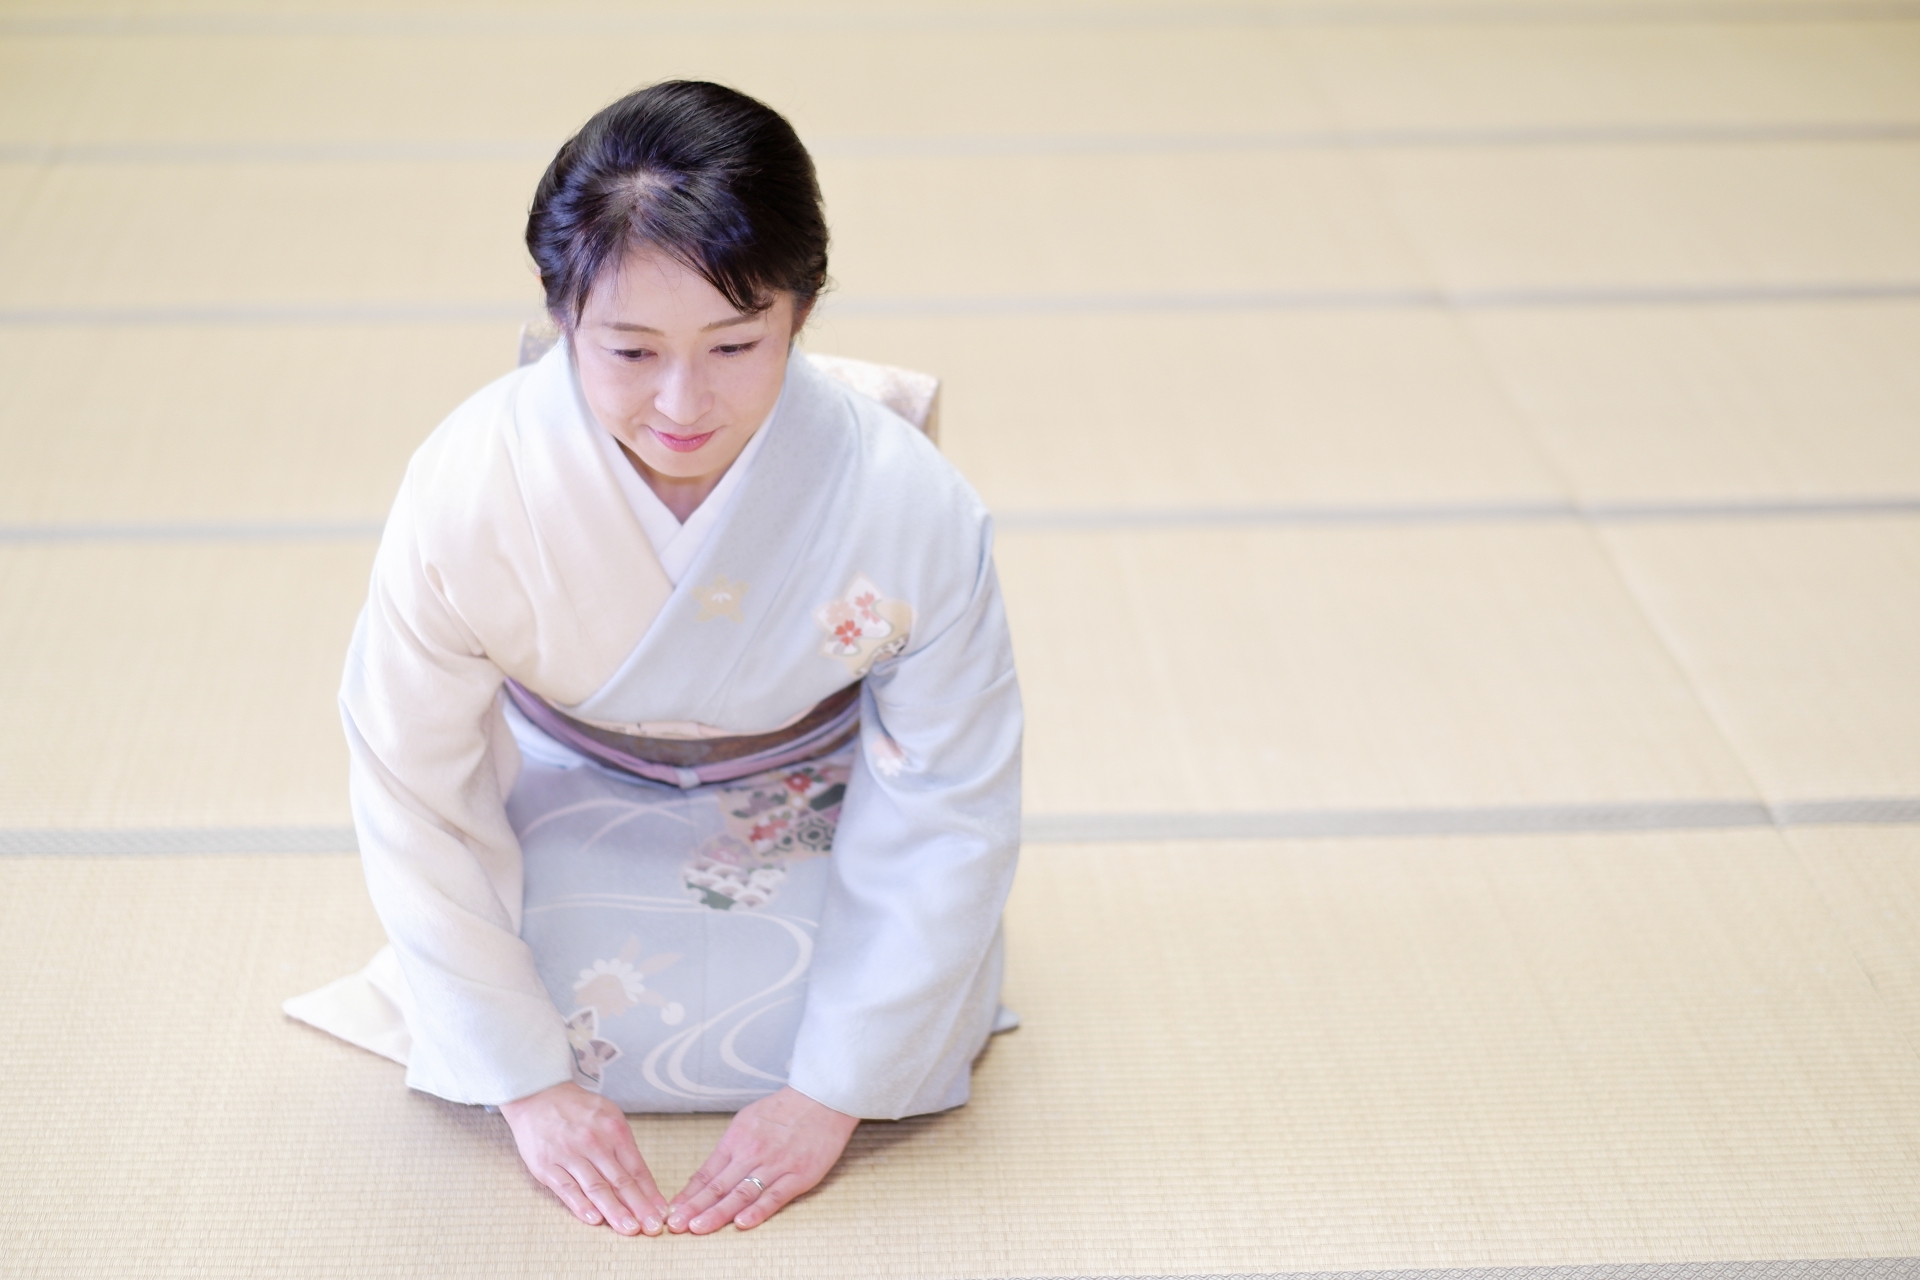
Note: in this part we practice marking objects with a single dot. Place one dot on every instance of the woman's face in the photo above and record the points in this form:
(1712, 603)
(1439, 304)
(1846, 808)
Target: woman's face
(673, 371)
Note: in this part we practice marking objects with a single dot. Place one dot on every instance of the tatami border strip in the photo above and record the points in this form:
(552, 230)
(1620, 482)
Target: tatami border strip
(1785, 1269)
(1409, 299)
(1097, 520)
(561, 22)
(194, 531)
(1119, 828)
(250, 314)
(450, 151)
(1564, 819)
(28, 841)
(1408, 138)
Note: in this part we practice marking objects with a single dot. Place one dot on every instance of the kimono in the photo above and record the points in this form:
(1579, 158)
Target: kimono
(515, 587)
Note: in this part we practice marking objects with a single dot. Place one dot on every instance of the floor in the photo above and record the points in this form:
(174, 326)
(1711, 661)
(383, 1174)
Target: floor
(1458, 473)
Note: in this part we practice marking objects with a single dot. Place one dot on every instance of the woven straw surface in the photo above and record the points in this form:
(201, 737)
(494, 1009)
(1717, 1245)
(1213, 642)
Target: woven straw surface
(1286, 341)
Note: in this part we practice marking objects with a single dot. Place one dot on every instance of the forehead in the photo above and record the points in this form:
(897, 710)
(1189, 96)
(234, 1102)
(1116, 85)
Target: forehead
(648, 291)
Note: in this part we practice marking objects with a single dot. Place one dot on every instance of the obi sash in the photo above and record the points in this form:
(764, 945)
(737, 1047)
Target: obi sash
(693, 762)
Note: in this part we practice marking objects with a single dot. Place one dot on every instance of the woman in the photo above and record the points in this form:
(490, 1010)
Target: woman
(682, 714)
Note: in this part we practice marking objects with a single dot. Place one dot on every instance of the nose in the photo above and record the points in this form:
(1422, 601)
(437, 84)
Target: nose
(683, 396)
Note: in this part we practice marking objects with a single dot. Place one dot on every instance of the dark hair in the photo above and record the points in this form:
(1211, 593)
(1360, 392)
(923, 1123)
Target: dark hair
(702, 173)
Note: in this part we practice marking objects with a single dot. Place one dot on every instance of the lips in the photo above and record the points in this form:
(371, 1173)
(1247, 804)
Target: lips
(680, 444)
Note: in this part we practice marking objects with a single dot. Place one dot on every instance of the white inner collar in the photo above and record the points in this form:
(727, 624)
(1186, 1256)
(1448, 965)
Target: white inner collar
(677, 544)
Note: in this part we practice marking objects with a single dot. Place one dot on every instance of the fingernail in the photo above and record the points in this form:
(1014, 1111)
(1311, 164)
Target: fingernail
(677, 1222)
(651, 1226)
(628, 1224)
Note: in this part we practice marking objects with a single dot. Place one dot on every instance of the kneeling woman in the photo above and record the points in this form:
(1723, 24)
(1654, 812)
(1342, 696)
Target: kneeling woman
(684, 731)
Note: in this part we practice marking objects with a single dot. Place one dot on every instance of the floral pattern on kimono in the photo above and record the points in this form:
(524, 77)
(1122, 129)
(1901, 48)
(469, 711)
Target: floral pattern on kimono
(607, 989)
(611, 987)
(772, 821)
(591, 1054)
(720, 599)
(863, 626)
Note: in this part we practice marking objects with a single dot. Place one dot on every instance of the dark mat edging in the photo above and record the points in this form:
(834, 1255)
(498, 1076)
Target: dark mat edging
(1119, 828)
(1782, 1269)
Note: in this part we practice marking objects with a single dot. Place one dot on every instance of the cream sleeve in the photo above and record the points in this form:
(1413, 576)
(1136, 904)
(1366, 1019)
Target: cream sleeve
(431, 765)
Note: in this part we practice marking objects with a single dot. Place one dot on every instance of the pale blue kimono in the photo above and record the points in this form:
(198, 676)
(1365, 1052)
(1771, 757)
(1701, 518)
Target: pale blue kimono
(851, 551)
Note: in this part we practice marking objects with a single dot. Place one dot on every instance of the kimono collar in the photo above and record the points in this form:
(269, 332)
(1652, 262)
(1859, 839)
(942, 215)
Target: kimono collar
(725, 601)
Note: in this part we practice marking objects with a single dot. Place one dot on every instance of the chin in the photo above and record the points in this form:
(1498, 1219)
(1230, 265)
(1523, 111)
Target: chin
(678, 466)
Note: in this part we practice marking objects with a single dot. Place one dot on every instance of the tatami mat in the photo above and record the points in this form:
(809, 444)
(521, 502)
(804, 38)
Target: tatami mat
(1869, 879)
(1663, 216)
(1807, 401)
(1236, 1058)
(1045, 79)
(1803, 639)
(1273, 669)
(175, 685)
(1290, 342)
(1113, 225)
(1158, 411)
(1595, 75)
(189, 236)
(222, 423)
(1049, 78)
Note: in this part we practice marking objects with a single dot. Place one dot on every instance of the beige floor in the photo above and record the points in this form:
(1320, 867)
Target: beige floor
(249, 254)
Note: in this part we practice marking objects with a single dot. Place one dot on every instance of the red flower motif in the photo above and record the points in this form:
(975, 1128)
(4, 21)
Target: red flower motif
(847, 632)
(797, 781)
(865, 603)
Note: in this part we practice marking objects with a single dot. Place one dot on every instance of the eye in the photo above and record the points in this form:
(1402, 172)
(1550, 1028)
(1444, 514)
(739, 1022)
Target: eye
(737, 348)
(634, 353)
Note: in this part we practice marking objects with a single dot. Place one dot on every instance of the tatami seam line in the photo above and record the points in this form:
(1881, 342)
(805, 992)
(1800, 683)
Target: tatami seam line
(1094, 520)
(1121, 828)
(1443, 513)
(191, 531)
(452, 151)
(1393, 299)
(1770, 1269)
(565, 23)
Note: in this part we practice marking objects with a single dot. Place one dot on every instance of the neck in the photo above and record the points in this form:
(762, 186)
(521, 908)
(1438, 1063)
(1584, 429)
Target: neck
(680, 495)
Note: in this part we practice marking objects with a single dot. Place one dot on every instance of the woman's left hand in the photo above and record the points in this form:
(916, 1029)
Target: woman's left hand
(786, 1140)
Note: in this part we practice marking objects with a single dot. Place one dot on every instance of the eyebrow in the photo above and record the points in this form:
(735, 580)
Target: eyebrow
(743, 318)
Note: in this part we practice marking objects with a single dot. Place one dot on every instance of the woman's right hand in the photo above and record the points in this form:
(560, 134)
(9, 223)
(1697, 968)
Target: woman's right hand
(579, 1146)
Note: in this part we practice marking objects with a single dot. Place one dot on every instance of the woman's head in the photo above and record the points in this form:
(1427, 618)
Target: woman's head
(681, 243)
(690, 171)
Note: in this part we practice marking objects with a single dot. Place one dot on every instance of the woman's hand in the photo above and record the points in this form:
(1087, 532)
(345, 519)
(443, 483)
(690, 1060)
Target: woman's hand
(579, 1146)
(786, 1140)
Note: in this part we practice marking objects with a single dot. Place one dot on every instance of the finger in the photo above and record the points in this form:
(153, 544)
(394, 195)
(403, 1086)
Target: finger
(561, 1183)
(641, 1197)
(605, 1199)
(704, 1188)
(781, 1192)
(634, 1182)
(743, 1194)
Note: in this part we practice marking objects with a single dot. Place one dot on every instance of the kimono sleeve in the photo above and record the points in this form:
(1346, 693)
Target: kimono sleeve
(905, 979)
(431, 763)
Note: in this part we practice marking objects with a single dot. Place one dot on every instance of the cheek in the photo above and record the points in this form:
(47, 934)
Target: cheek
(614, 389)
(754, 383)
